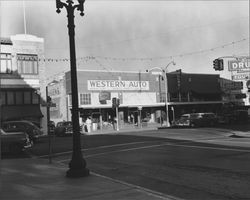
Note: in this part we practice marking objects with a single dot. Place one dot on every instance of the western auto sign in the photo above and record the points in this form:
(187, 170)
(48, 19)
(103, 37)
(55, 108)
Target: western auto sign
(117, 85)
(234, 65)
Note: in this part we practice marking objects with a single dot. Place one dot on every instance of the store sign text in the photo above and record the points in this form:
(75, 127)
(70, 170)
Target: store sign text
(117, 85)
(238, 65)
(240, 77)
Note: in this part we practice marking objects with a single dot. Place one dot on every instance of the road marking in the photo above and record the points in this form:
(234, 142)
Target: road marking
(160, 145)
(100, 147)
(213, 148)
(121, 150)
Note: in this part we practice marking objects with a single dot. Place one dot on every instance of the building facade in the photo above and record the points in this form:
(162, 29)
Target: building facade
(22, 79)
(142, 95)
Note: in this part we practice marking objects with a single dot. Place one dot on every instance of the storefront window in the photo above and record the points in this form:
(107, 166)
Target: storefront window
(35, 98)
(10, 98)
(3, 98)
(19, 98)
(27, 97)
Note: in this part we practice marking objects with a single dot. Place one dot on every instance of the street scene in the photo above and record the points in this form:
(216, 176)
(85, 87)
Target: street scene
(125, 100)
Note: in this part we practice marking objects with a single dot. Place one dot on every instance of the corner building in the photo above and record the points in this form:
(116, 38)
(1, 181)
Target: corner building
(22, 79)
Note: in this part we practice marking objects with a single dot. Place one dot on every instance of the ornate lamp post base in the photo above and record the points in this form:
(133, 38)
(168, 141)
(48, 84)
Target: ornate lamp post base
(77, 173)
(77, 167)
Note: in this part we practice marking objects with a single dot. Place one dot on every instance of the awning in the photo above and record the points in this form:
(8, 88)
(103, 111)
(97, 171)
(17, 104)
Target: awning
(20, 112)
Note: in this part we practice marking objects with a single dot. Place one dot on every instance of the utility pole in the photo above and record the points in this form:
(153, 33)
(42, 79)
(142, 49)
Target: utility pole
(77, 165)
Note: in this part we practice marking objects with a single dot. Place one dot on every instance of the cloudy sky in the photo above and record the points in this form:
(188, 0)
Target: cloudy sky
(135, 35)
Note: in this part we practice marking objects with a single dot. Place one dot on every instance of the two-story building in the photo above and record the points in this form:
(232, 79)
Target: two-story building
(22, 75)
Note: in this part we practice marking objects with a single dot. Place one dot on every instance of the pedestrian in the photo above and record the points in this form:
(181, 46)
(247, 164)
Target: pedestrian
(88, 124)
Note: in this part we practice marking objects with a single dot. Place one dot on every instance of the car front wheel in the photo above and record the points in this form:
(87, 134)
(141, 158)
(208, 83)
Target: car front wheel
(192, 125)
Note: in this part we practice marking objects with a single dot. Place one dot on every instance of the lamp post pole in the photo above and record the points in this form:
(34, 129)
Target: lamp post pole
(77, 165)
(164, 71)
(166, 90)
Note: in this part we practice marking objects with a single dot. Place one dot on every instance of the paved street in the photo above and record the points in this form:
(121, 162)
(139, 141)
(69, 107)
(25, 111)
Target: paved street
(202, 163)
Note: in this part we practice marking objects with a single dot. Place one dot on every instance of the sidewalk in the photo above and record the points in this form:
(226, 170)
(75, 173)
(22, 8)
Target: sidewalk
(125, 128)
(37, 179)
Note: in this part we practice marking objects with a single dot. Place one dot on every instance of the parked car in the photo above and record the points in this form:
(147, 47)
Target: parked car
(14, 142)
(234, 117)
(197, 119)
(24, 126)
(64, 128)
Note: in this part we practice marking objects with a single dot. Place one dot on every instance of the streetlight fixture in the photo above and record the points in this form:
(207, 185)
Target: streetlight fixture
(164, 71)
(77, 165)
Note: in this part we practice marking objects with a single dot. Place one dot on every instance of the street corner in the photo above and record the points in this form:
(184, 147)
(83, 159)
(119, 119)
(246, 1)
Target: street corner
(240, 134)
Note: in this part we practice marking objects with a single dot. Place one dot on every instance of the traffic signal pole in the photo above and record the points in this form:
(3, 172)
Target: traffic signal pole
(117, 117)
(115, 105)
(219, 64)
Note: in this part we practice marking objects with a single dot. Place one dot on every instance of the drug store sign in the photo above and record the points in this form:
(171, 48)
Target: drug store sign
(242, 66)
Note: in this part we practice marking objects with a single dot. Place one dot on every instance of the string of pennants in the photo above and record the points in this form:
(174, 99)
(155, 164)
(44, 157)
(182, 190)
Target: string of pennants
(87, 58)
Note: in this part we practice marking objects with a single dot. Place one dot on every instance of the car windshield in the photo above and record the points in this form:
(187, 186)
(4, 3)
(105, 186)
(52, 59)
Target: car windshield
(64, 124)
(196, 115)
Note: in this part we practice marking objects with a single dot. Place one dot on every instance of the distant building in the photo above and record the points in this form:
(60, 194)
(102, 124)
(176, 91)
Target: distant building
(139, 92)
(22, 73)
(237, 71)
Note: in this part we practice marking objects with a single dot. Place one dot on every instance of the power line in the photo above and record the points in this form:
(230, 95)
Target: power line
(87, 58)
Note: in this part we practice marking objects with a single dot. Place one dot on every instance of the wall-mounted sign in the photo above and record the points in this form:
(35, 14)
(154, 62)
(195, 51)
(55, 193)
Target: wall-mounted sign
(104, 95)
(240, 77)
(234, 65)
(234, 85)
(117, 85)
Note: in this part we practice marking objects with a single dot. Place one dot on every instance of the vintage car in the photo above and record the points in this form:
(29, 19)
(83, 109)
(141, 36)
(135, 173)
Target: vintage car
(14, 142)
(28, 127)
(197, 120)
(63, 128)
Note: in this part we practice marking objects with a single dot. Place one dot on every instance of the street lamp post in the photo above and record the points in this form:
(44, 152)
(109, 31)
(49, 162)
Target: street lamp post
(164, 71)
(77, 165)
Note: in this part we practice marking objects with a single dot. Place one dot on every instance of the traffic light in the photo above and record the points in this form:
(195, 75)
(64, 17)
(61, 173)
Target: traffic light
(117, 102)
(114, 102)
(218, 64)
(49, 99)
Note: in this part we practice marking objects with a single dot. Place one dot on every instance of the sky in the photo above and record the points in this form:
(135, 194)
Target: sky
(135, 35)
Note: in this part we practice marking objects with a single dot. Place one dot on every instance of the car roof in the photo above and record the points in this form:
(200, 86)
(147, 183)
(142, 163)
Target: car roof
(21, 121)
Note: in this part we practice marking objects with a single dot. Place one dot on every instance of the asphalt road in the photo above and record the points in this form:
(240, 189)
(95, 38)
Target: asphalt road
(185, 163)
